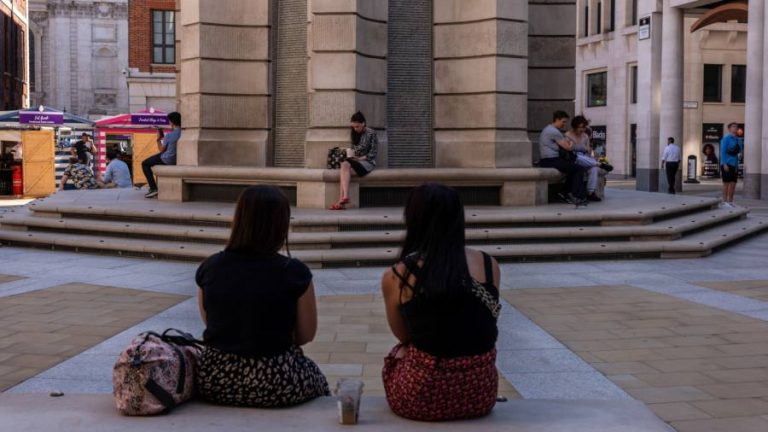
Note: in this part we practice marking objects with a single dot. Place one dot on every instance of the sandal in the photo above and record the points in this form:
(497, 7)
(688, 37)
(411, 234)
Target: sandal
(344, 201)
(336, 206)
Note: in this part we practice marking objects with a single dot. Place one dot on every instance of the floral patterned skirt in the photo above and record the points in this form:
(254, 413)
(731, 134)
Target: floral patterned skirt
(420, 386)
(268, 382)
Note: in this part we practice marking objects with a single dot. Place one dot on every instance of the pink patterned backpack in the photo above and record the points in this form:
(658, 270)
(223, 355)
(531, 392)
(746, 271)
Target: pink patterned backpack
(155, 373)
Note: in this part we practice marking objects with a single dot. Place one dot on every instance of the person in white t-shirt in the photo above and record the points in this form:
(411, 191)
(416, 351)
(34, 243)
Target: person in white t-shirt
(670, 161)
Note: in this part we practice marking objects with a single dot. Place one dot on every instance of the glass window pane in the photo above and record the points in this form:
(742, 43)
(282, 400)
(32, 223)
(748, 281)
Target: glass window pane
(158, 39)
(713, 83)
(169, 39)
(157, 55)
(169, 16)
(170, 55)
(633, 77)
(738, 83)
(597, 89)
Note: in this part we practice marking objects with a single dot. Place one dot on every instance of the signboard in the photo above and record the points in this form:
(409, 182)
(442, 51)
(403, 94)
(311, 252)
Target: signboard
(149, 119)
(711, 135)
(644, 28)
(690, 104)
(41, 118)
(599, 139)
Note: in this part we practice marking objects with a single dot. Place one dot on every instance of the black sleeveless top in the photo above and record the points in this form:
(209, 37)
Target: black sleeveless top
(461, 326)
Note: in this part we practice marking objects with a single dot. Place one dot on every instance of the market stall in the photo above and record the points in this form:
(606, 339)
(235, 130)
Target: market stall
(133, 135)
(28, 149)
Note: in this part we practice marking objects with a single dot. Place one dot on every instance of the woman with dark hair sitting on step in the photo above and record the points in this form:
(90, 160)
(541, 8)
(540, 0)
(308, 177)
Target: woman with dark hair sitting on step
(442, 303)
(259, 308)
(361, 157)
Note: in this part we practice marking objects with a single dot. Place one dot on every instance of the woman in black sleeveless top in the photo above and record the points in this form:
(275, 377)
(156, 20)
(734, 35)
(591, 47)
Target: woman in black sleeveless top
(442, 303)
(259, 308)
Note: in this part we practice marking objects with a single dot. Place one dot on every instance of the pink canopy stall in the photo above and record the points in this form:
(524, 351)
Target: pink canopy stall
(134, 134)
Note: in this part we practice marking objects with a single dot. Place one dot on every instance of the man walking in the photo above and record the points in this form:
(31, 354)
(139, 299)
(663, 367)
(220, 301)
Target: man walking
(557, 152)
(167, 156)
(670, 161)
(729, 164)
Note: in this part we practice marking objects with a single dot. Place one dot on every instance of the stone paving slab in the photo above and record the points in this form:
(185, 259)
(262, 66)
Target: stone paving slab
(695, 366)
(9, 278)
(97, 412)
(754, 289)
(42, 328)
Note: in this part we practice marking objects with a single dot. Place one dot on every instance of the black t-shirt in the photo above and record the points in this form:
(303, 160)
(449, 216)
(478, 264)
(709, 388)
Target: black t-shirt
(81, 150)
(250, 301)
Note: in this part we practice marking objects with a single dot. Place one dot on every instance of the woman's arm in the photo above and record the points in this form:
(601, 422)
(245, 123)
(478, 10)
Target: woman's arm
(306, 317)
(200, 306)
(390, 288)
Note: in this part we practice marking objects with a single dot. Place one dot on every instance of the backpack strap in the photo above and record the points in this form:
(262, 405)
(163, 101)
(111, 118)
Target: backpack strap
(488, 264)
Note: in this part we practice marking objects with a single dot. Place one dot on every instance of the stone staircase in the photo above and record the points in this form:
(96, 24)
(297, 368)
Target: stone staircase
(626, 225)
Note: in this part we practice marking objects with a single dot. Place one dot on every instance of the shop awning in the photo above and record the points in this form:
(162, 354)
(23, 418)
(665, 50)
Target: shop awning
(141, 119)
(70, 120)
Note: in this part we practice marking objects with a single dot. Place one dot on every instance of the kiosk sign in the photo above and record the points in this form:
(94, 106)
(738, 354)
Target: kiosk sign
(41, 118)
(149, 119)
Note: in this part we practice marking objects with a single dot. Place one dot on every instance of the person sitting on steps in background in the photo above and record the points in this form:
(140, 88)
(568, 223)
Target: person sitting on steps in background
(557, 152)
(81, 174)
(117, 172)
(259, 308)
(166, 144)
(362, 157)
(579, 138)
(442, 302)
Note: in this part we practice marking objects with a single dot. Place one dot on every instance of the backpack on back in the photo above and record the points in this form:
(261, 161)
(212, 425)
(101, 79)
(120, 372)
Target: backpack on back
(155, 373)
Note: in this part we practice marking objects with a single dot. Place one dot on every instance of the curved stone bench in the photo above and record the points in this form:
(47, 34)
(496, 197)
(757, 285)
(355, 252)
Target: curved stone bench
(319, 188)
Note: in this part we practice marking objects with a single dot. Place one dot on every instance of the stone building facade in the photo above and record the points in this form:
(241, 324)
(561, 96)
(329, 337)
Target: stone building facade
(608, 93)
(446, 83)
(81, 55)
(14, 67)
(152, 54)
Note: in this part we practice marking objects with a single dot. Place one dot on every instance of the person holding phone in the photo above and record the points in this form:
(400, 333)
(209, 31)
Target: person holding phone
(360, 158)
(166, 144)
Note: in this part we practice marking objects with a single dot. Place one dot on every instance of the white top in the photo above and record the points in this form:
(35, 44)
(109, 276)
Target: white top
(671, 153)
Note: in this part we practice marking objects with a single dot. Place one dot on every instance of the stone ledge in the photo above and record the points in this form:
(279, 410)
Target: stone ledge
(318, 188)
(97, 412)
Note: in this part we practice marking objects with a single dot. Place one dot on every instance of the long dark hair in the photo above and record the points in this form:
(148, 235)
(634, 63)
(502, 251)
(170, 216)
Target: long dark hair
(354, 137)
(261, 222)
(434, 220)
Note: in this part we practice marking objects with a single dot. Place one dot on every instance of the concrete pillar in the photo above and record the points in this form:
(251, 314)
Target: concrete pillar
(671, 110)
(481, 82)
(225, 90)
(649, 100)
(764, 142)
(753, 122)
(347, 72)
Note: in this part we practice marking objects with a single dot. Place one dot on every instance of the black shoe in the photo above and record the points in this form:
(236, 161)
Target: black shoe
(594, 198)
(572, 199)
(563, 198)
(151, 194)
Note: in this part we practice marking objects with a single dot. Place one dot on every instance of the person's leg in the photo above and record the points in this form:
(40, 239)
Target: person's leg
(576, 181)
(671, 168)
(146, 166)
(731, 191)
(344, 178)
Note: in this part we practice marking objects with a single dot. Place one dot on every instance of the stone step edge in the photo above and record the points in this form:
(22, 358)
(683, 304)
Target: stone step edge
(556, 213)
(668, 228)
(700, 245)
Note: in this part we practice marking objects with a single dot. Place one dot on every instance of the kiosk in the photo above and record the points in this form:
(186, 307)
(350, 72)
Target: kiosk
(134, 135)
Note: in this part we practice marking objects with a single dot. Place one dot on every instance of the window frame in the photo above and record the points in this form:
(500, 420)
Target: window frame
(743, 83)
(633, 84)
(163, 46)
(704, 96)
(591, 102)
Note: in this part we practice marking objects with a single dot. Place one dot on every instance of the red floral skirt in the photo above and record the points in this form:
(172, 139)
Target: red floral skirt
(420, 386)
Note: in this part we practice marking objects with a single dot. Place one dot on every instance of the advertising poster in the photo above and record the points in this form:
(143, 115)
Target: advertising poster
(711, 135)
(598, 140)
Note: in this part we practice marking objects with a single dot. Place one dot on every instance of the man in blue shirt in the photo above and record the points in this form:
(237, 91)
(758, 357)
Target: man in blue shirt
(167, 156)
(117, 172)
(729, 164)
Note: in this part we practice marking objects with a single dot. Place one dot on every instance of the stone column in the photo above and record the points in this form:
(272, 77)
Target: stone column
(347, 72)
(753, 121)
(649, 101)
(481, 82)
(224, 93)
(672, 55)
(764, 152)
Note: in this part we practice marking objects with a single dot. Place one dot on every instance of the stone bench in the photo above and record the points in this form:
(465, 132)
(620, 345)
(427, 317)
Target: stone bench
(319, 188)
(73, 412)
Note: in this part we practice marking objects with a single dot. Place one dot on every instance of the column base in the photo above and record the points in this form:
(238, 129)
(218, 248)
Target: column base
(647, 179)
(752, 186)
(206, 147)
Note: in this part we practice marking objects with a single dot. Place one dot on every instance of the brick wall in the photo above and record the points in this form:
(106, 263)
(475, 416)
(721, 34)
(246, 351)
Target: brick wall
(140, 34)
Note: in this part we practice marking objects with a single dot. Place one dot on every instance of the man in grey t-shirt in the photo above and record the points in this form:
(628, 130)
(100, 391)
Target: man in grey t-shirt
(551, 142)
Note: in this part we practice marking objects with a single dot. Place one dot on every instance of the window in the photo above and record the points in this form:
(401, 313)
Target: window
(633, 12)
(599, 18)
(612, 22)
(738, 83)
(713, 83)
(32, 69)
(633, 84)
(163, 37)
(597, 89)
(586, 21)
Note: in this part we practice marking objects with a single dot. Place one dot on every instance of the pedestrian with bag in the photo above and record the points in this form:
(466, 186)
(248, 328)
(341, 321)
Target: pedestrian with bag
(360, 158)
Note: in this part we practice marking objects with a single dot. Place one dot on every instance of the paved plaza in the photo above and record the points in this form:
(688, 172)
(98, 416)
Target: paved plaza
(685, 337)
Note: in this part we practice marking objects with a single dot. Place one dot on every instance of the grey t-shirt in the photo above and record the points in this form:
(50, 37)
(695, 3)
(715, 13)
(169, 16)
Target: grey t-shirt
(548, 139)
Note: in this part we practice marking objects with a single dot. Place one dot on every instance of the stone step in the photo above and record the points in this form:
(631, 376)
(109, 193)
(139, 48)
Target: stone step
(700, 244)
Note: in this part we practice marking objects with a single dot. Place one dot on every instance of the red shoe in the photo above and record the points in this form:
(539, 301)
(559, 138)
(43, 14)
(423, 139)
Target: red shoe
(336, 206)
(344, 201)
